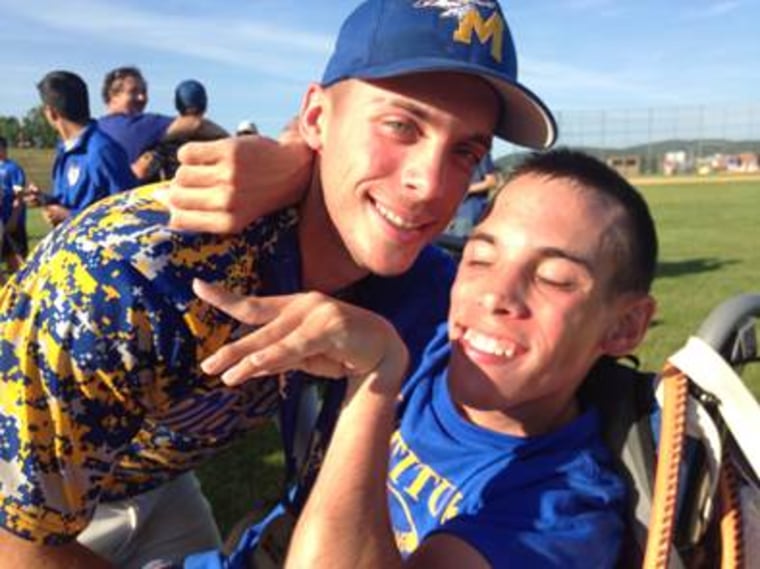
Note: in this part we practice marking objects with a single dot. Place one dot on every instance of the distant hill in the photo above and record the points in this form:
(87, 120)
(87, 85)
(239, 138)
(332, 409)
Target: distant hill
(651, 153)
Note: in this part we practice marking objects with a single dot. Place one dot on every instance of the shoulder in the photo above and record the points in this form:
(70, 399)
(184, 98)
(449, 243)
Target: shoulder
(113, 121)
(133, 121)
(155, 120)
(100, 140)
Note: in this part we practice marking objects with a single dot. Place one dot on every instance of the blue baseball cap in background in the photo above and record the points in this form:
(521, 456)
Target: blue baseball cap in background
(190, 94)
(388, 38)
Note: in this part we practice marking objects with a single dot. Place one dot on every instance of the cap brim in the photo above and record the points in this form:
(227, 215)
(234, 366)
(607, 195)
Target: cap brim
(524, 120)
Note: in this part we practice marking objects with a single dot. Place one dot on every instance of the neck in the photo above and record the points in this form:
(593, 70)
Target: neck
(326, 265)
(524, 420)
(518, 414)
(69, 130)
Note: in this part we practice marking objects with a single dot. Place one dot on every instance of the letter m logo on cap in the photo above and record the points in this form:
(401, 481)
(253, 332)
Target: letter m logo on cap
(491, 29)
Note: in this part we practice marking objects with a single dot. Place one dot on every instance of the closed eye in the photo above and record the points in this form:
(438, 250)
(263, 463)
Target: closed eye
(557, 284)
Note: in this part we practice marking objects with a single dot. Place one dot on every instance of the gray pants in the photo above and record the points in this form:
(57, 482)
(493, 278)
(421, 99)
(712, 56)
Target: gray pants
(169, 522)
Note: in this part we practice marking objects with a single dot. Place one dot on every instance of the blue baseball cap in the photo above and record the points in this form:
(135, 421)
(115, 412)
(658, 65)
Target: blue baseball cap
(388, 38)
(190, 94)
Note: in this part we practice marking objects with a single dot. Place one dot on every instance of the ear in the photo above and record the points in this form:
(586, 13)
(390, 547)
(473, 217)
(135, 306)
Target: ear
(630, 325)
(50, 113)
(311, 118)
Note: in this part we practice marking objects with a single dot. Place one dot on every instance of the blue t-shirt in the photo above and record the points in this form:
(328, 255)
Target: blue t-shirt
(11, 174)
(546, 501)
(136, 133)
(101, 337)
(90, 168)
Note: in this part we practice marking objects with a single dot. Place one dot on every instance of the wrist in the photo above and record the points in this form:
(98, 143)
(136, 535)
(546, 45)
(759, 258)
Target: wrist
(387, 377)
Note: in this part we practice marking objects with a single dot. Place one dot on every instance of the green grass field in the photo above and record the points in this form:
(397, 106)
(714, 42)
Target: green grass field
(709, 251)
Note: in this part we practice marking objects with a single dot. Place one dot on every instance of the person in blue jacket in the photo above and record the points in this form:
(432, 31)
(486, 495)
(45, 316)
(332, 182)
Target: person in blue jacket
(483, 456)
(88, 164)
(15, 245)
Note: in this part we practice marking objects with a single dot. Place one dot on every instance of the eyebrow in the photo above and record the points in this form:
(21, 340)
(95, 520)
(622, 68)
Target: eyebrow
(545, 252)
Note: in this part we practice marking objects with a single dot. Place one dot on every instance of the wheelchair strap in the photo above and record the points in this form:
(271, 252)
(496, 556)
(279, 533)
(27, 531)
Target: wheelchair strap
(736, 405)
(305, 437)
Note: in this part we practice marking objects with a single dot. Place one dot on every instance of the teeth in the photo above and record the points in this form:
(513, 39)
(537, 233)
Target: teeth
(488, 345)
(393, 218)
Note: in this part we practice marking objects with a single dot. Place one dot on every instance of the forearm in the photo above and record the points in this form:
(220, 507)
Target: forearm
(17, 552)
(346, 523)
(209, 130)
(195, 127)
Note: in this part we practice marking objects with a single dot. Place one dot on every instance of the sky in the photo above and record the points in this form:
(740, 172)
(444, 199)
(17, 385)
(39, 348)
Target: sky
(257, 56)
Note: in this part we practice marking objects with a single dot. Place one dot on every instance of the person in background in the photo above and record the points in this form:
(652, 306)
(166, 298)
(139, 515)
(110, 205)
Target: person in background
(88, 164)
(15, 244)
(485, 180)
(125, 93)
(485, 456)
(190, 100)
(246, 127)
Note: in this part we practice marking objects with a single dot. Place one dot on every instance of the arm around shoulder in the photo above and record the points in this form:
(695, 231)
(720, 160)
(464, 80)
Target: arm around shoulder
(194, 127)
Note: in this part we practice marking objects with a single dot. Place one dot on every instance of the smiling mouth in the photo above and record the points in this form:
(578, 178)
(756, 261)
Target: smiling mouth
(396, 220)
(489, 344)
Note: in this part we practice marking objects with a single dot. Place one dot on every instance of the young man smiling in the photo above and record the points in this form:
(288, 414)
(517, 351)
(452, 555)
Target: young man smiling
(103, 327)
(494, 460)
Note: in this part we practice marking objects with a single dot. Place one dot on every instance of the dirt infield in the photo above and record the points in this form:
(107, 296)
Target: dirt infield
(693, 179)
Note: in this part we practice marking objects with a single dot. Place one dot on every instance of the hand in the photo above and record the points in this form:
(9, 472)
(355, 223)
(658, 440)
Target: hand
(224, 185)
(146, 166)
(55, 214)
(307, 331)
(31, 196)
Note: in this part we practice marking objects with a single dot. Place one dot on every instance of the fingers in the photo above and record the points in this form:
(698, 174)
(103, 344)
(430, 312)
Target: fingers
(201, 177)
(253, 311)
(202, 198)
(260, 351)
(246, 309)
(200, 153)
(294, 351)
(307, 331)
(218, 222)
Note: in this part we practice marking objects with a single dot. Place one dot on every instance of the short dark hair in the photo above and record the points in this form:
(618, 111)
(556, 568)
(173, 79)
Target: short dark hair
(66, 92)
(190, 97)
(116, 75)
(637, 263)
(3, 142)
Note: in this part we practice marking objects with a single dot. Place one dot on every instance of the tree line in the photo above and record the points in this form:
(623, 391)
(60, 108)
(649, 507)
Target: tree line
(32, 130)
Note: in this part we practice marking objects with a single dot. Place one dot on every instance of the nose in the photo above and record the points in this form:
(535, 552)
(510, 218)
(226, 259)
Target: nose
(505, 293)
(425, 170)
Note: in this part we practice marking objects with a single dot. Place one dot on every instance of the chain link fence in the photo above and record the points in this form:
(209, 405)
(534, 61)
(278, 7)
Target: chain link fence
(666, 140)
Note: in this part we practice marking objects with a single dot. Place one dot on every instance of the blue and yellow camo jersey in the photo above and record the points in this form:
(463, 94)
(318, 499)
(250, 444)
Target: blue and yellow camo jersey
(101, 396)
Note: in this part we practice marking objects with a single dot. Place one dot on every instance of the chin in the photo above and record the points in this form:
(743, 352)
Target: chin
(391, 267)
